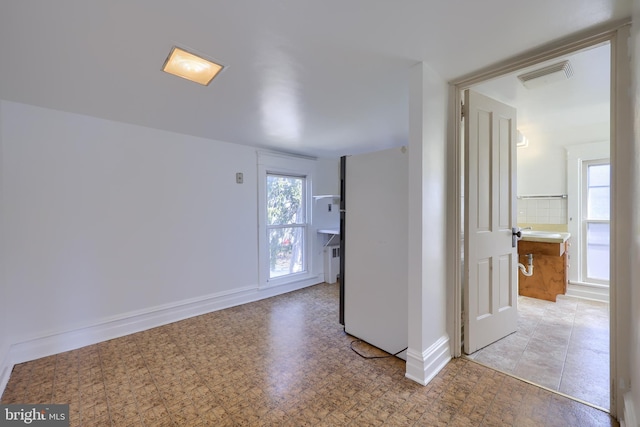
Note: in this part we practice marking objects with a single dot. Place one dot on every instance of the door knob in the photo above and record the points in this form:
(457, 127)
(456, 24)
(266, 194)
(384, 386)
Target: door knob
(516, 235)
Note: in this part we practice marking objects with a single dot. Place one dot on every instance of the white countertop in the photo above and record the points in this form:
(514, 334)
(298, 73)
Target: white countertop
(544, 236)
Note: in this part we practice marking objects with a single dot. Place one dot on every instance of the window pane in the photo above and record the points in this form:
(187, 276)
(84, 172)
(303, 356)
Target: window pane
(598, 175)
(284, 200)
(598, 251)
(598, 203)
(286, 251)
(598, 191)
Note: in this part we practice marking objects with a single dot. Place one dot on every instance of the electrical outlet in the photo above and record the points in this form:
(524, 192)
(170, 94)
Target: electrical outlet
(239, 178)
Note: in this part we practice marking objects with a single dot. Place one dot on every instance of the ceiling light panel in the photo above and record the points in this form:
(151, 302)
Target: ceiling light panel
(190, 66)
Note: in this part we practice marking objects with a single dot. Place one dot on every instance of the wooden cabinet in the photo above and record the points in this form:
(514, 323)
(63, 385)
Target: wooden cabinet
(550, 272)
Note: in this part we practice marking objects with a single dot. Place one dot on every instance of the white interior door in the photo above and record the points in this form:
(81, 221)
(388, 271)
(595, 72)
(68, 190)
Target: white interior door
(490, 274)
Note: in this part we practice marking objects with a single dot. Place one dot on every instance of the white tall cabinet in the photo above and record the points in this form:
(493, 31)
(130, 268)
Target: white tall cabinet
(376, 232)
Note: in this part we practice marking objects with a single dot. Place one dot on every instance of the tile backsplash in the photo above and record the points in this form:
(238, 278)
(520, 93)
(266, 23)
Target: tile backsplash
(542, 211)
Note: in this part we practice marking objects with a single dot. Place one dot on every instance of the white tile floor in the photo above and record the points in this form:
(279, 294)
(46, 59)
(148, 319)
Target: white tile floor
(563, 346)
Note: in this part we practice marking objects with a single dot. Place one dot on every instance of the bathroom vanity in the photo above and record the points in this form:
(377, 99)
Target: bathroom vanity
(550, 264)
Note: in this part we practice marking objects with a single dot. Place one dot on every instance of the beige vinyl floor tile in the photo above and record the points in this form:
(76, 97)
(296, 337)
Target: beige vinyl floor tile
(282, 361)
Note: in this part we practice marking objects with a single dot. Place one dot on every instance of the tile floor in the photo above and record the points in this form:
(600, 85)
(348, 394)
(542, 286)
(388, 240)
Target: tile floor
(282, 361)
(563, 346)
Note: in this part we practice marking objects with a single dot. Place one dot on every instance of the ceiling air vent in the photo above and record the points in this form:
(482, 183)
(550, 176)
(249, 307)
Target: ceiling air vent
(551, 74)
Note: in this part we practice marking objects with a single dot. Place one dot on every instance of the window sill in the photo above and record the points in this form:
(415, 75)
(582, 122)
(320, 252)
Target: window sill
(292, 279)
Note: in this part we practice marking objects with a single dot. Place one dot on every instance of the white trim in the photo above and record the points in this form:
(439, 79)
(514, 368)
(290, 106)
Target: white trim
(455, 240)
(590, 291)
(422, 367)
(264, 153)
(5, 371)
(585, 222)
(622, 208)
(630, 419)
(278, 163)
(576, 156)
(587, 39)
(117, 326)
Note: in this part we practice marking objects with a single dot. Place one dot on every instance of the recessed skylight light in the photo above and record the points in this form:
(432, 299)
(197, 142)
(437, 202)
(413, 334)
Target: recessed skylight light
(191, 67)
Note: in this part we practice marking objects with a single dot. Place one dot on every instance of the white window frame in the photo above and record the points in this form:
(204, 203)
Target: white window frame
(304, 225)
(281, 164)
(585, 221)
(576, 156)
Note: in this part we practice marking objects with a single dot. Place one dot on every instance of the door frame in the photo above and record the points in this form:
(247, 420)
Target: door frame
(620, 129)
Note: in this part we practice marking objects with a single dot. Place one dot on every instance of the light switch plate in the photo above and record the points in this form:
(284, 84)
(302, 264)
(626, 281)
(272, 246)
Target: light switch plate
(239, 178)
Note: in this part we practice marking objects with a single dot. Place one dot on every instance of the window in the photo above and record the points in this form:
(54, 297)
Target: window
(284, 220)
(588, 179)
(595, 223)
(286, 224)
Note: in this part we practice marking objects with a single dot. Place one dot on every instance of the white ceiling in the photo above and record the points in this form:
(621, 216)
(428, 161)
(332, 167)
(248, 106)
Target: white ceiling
(561, 113)
(322, 78)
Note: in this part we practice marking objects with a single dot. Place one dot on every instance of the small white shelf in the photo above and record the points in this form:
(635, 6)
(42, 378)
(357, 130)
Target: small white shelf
(329, 231)
(335, 198)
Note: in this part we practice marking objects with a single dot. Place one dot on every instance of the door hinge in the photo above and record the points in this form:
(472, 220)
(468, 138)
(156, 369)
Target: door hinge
(461, 111)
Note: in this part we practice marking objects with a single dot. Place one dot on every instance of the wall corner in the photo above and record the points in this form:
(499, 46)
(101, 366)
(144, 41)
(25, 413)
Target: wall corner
(423, 366)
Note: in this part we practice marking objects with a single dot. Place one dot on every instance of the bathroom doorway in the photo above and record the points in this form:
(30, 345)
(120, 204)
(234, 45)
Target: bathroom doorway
(557, 343)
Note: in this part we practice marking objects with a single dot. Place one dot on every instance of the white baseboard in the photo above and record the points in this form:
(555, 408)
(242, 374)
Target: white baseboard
(422, 366)
(5, 371)
(630, 418)
(588, 291)
(129, 323)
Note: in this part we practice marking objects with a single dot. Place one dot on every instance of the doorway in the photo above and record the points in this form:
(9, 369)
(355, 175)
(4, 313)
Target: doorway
(566, 306)
(562, 345)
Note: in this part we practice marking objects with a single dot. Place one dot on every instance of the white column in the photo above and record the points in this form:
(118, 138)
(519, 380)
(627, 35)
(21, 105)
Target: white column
(429, 347)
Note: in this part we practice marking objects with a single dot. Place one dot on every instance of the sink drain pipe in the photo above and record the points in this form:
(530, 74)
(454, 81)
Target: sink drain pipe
(527, 271)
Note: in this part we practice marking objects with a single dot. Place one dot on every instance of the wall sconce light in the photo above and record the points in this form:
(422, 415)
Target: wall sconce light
(523, 142)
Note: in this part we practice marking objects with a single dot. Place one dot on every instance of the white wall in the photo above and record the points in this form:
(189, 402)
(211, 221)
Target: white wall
(542, 169)
(4, 301)
(633, 399)
(328, 183)
(104, 220)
